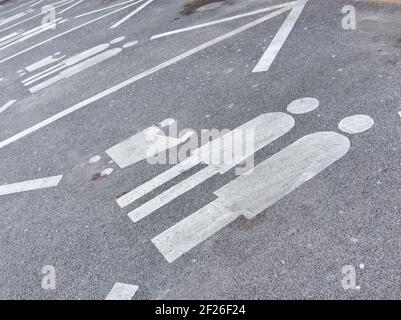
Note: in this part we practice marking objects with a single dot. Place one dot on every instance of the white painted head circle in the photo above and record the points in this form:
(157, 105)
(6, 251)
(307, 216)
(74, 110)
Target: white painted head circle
(303, 105)
(356, 124)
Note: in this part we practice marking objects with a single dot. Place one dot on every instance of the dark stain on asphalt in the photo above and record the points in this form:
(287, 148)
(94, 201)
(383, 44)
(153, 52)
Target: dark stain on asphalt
(193, 5)
(96, 176)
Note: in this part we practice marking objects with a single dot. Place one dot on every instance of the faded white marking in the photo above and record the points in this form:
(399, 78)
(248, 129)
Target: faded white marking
(77, 69)
(130, 44)
(117, 40)
(271, 180)
(135, 78)
(7, 37)
(136, 148)
(42, 63)
(303, 105)
(106, 172)
(71, 6)
(30, 33)
(7, 105)
(210, 6)
(30, 18)
(122, 291)
(30, 185)
(107, 8)
(95, 159)
(12, 18)
(356, 124)
(281, 36)
(15, 8)
(207, 24)
(62, 34)
(141, 7)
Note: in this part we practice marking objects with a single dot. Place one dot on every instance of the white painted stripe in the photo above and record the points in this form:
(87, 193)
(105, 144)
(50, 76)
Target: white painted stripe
(10, 19)
(157, 181)
(136, 78)
(250, 195)
(36, 3)
(12, 9)
(122, 291)
(71, 6)
(88, 63)
(193, 230)
(140, 8)
(62, 34)
(266, 128)
(43, 74)
(28, 19)
(7, 105)
(281, 36)
(42, 63)
(31, 33)
(171, 194)
(30, 185)
(207, 24)
(67, 62)
(8, 37)
(107, 8)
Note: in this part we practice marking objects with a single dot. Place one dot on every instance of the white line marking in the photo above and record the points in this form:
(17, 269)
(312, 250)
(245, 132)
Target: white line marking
(30, 18)
(71, 6)
(266, 128)
(207, 24)
(9, 36)
(67, 63)
(130, 44)
(30, 185)
(135, 78)
(250, 195)
(122, 291)
(24, 4)
(36, 3)
(7, 105)
(157, 181)
(62, 34)
(31, 33)
(12, 18)
(42, 63)
(131, 14)
(103, 9)
(67, 73)
(281, 36)
(145, 144)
